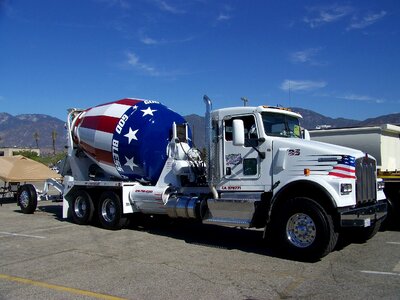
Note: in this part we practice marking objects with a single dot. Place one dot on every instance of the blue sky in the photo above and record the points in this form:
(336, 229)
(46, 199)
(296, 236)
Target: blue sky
(340, 59)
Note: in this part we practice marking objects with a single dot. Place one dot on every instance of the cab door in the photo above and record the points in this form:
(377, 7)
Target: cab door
(245, 168)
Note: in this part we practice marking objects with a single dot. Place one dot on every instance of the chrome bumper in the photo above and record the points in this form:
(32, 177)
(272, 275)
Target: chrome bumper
(363, 216)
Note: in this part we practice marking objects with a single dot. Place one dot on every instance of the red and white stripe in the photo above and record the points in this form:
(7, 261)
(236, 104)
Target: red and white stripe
(94, 129)
(343, 171)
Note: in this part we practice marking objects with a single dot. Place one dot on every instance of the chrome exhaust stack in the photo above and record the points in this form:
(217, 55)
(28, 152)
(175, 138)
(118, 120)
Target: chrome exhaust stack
(208, 134)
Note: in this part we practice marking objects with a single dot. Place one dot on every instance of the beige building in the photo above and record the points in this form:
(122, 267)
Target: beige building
(12, 151)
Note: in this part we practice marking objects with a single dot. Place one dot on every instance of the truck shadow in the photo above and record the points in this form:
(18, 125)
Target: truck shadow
(53, 209)
(192, 232)
(196, 233)
(230, 238)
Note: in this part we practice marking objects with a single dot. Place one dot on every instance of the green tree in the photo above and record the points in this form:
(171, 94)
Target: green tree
(28, 154)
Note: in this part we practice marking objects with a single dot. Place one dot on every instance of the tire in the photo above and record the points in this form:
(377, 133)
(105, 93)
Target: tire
(82, 208)
(304, 230)
(27, 198)
(110, 211)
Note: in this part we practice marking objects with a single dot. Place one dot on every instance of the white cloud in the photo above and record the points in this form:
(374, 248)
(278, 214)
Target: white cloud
(225, 13)
(149, 41)
(367, 20)
(133, 61)
(324, 15)
(355, 97)
(302, 85)
(307, 56)
(163, 5)
(319, 16)
(223, 17)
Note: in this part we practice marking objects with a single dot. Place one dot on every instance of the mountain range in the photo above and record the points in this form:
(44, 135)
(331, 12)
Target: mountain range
(39, 130)
(32, 131)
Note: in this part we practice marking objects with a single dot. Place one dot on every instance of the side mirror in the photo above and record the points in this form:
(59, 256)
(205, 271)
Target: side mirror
(306, 135)
(238, 132)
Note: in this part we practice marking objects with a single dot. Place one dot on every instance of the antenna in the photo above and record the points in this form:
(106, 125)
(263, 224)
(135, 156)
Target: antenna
(290, 94)
(245, 100)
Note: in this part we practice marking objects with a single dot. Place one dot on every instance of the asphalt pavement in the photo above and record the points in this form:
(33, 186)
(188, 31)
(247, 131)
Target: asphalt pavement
(43, 256)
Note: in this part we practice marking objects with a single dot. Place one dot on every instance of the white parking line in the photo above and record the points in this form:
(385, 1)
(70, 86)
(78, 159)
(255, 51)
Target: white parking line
(381, 273)
(22, 235)
(393, 243)
(53, 228)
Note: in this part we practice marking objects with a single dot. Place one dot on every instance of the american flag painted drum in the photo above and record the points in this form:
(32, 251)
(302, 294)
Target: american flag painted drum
(127, 138)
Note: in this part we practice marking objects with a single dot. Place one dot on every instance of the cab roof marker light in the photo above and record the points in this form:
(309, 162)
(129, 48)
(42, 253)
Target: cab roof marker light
(277, 107)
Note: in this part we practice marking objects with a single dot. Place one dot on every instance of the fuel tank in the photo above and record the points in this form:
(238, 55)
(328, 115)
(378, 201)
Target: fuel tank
(127, 138)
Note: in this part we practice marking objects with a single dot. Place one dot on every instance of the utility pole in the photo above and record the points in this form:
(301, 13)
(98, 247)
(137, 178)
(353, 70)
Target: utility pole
(245, 100)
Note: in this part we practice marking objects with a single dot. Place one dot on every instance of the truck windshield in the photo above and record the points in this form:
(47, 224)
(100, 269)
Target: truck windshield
(281, 125)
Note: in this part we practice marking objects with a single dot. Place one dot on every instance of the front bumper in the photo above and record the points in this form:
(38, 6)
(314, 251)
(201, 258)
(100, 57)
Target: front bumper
(363, 216)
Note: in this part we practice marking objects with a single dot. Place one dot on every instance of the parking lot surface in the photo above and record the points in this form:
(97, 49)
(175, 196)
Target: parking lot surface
(43, 256)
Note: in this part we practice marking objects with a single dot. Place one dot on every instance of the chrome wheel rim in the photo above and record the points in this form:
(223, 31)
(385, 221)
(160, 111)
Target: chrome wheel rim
(24, 199)
(80, 207)
(301, 230)
(108, 210)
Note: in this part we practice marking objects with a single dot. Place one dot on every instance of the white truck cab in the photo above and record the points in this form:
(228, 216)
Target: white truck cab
(307, 191)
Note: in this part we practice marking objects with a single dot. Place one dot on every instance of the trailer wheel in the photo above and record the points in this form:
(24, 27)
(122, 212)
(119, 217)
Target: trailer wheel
(110, 211)
(27, 198)
(303, 229)
(82, 208)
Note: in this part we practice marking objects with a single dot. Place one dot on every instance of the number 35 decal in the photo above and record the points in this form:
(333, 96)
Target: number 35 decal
(294, 152)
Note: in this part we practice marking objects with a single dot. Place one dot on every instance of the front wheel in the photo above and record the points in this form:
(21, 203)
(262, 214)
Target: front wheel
(110, 211)
(27, 198)
(303, 229)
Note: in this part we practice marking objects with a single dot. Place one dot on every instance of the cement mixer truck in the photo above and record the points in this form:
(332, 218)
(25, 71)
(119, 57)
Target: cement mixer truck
(133, 156)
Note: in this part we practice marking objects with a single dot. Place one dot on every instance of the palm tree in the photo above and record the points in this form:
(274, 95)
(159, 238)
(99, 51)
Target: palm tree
(54, 136)
(36, 137)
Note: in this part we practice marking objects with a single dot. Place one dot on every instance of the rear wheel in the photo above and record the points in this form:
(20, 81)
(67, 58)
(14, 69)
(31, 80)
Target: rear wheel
(303, 229)
(110, 211)
(27, 198)
(82, 208)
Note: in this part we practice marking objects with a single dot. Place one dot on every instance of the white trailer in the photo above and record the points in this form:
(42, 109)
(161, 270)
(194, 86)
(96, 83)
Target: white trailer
(381, 142)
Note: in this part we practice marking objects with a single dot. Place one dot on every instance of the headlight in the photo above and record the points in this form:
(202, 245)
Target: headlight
(346, 188)
(381, 185)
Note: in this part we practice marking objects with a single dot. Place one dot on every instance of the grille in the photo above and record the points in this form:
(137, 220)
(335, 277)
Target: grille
(366, 180)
